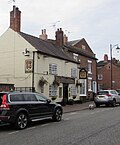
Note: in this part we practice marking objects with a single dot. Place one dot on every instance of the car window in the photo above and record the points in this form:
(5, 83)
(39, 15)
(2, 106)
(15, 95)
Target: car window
(113, 92)
(16, 97)
(103, 92)
(40, 97)
(30, 97)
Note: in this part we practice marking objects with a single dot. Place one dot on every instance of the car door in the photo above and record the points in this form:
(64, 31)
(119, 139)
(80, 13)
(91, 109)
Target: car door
(32, 105)
(45, 106)
(117, 97)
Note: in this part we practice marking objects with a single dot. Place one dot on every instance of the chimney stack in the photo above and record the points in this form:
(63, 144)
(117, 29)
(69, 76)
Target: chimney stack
(105, 58)
(65, 39)
(15, 19)
(43, 36)
(59, 37)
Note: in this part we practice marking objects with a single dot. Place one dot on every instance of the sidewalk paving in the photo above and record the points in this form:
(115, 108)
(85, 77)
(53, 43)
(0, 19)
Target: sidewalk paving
(76, 107)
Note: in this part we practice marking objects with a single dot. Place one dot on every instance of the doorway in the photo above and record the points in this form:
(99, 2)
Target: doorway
(65, 92)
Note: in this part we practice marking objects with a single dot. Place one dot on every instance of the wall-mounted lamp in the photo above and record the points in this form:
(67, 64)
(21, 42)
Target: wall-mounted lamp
(26, 52)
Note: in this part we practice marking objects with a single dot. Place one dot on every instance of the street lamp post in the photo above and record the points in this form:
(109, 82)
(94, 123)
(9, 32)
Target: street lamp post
(111, 62)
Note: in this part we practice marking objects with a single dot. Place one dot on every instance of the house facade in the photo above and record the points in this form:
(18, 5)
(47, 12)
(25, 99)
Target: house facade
(46, 66)
(81, 51)
(104, 74)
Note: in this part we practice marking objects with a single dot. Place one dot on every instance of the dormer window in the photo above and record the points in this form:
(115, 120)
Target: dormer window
(75, 56)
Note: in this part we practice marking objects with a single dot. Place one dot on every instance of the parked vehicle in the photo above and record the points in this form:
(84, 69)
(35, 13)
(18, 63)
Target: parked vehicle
(19, 108)
(107, 97)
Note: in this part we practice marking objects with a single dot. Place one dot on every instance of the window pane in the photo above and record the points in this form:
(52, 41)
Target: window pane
(30, 97)
(52, 90)
(16, 97)
(52, 68)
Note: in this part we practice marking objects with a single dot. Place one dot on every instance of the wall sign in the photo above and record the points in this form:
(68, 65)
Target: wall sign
(82, 74)
(28, 65)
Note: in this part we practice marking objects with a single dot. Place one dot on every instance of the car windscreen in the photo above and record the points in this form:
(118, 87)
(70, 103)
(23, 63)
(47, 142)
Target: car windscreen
(103, 92)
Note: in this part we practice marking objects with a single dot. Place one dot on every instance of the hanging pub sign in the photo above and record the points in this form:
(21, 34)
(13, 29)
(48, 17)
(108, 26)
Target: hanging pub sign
(82, 74)
(28, 65)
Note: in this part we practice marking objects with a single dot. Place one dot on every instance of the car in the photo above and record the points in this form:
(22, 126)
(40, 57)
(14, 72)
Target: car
(20, 108)
(107, 97)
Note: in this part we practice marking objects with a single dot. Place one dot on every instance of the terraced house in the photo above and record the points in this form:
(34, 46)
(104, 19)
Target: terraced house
(57, 68)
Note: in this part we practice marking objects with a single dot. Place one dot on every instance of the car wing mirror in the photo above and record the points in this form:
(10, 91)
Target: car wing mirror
(48, 101)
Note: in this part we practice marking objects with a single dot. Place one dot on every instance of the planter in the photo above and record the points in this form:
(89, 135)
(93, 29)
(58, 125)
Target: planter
(70, 101)
(53, 98)
(64, 102)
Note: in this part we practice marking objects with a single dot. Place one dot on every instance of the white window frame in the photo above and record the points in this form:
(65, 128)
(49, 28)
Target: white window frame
(89, 66)
(52, 90)
(100, 77)
(89, 84)
(75, 56)
(83, 47)
(83, 87)
(73, 90)
(73, 72)
(53, 69)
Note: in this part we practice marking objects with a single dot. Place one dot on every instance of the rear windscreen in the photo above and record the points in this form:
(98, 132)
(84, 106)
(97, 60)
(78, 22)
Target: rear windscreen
(103, 92)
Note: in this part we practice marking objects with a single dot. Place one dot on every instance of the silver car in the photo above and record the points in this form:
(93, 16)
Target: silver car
(107, 97)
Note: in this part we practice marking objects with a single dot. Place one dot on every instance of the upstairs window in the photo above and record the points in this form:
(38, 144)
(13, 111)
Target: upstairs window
(53, 69)
(75, 56)
(100, 77)
(83, 47)
(89, 66)
(73, 72)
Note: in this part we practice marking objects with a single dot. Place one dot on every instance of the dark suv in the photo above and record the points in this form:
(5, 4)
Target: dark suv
(19, 108)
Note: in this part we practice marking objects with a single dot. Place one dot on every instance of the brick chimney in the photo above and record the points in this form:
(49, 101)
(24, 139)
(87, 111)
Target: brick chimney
(43, 36)
(105, 58)
(59, 37)
(65, 39)
(15, 19)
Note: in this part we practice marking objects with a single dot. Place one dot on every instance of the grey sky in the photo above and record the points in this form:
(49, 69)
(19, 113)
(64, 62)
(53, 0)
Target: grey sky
(97, 21)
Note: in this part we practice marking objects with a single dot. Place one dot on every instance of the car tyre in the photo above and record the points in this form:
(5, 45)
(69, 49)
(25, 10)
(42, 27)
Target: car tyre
(57, 115)
(114, 103)
(21, 121)
(97, 105)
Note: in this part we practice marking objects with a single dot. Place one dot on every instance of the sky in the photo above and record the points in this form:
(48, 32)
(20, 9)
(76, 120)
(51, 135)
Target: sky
(98, 21)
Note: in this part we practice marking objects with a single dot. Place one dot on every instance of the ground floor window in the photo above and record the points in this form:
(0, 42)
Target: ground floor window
(52, 90)
(83, 86)
(73, 90)
(89, 84)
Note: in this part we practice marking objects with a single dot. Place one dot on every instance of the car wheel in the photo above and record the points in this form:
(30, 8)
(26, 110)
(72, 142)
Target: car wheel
(21, 121)
(57, 115)
(114, 103)
(97, 105)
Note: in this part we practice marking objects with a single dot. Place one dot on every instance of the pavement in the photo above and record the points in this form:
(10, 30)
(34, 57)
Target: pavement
(77, 107)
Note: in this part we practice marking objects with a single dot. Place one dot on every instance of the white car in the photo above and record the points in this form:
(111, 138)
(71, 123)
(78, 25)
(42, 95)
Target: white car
(107, 97)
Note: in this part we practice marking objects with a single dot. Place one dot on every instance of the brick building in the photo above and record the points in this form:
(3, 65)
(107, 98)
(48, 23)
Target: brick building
(104, 73)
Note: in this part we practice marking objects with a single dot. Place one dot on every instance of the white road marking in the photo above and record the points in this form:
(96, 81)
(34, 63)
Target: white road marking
(66, 119)
(31, 128)
(13, 132)
(72, 113)
(45, 124)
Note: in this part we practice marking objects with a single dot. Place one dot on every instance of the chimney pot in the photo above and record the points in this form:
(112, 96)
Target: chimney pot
(106, 58)
(43, 36)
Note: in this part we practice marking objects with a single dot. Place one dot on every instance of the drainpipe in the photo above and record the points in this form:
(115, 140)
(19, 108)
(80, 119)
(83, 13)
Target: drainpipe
(33, 87)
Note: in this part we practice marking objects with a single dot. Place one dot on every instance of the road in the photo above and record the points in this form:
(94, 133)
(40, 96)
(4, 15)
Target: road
(100, 126)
